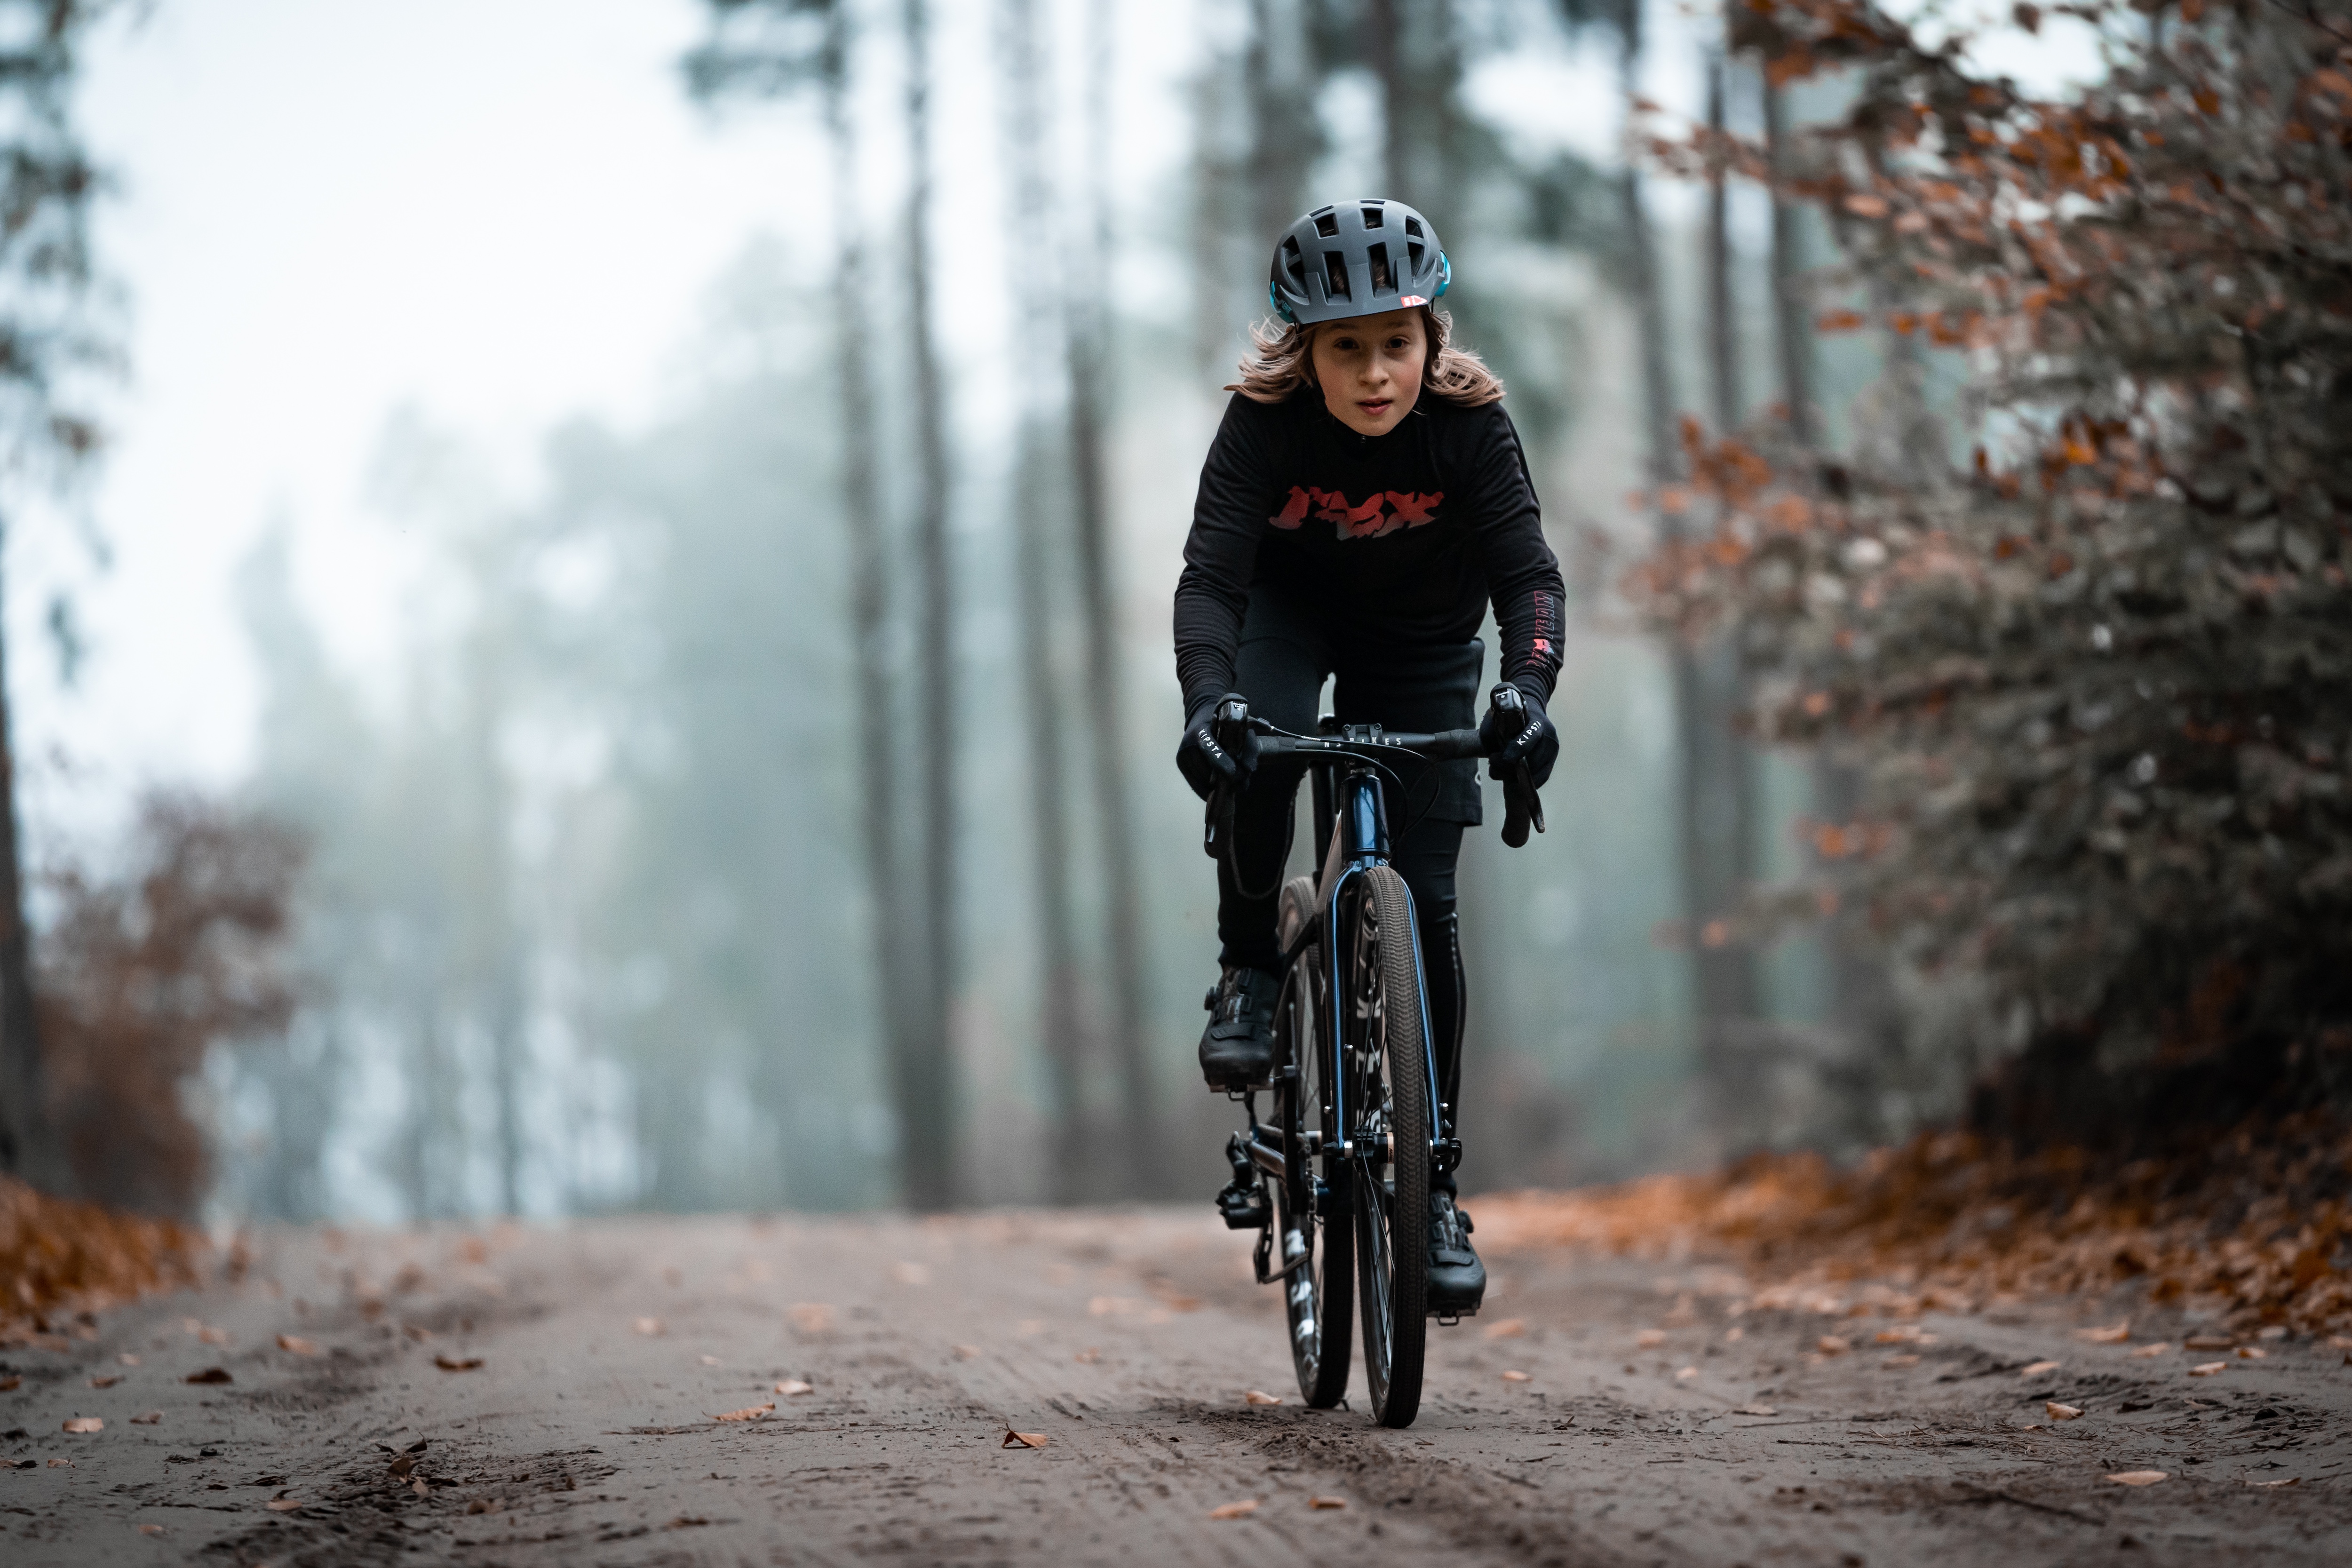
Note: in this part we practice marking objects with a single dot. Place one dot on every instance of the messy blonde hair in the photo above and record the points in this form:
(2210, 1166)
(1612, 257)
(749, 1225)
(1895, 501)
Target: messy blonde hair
(1283, 360)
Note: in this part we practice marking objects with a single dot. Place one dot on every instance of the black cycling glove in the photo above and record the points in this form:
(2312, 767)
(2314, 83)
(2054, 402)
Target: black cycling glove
(1537, 743)
(1204, 764)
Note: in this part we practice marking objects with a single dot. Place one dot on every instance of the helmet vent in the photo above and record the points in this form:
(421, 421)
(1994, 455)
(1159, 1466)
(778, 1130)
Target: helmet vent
(1373, 215)
(1413, 228)
(1327, 224)
(1295, 263)
(1412, 255)
(1335, 273)
(1383, 282)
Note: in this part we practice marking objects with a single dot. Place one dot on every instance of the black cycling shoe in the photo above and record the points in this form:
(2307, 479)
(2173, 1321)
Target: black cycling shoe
(1237, 1047)
(1457, 1281)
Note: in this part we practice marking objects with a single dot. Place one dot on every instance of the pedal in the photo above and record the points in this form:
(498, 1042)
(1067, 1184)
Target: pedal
(1244, 1202)
(1245, 1207)
(1449, 1319)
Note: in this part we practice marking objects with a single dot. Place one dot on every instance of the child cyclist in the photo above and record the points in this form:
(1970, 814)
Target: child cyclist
(1364, 501)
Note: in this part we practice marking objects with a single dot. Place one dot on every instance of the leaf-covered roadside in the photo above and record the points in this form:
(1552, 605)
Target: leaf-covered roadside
(59, 1258)
(2256, 1224)
(2097, 670)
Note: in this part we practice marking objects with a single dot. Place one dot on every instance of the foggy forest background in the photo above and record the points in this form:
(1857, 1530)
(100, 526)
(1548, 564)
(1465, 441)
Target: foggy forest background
(773, 803)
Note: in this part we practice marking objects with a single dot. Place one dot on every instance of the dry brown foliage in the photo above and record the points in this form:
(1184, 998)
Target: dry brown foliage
(139, 976)
(2256, 1223)
(59, 1258)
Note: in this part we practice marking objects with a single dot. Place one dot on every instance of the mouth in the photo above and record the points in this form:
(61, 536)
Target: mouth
(1376, 407)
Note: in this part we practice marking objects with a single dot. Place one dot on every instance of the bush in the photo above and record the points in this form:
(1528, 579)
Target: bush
(2095, 660)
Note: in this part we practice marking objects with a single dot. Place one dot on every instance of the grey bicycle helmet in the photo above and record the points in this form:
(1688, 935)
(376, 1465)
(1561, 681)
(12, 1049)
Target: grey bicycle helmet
(1357, 258)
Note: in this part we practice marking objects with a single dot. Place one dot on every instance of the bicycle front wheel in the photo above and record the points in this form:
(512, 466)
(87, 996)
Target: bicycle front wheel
(1317, 1252)
(1387, 1098)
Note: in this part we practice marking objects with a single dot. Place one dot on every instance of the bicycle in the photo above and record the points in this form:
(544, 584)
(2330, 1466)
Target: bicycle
(1353, 1080)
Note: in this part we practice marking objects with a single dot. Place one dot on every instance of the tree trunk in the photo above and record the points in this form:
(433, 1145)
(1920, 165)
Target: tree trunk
(1714, 984)
(1795, 334)
(29, 1148)
(1862, 1001)
(1036, 511)
(1725, 785)
(924, 1070)
(1088, 341)
(896, 970)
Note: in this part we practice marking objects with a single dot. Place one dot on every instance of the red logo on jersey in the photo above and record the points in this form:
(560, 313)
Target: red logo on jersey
(1385, 513)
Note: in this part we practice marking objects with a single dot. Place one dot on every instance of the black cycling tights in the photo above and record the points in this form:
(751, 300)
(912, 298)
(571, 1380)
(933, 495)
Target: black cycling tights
(1282, 683)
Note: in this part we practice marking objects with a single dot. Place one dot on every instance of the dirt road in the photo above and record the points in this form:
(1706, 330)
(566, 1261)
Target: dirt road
(1661, 1417)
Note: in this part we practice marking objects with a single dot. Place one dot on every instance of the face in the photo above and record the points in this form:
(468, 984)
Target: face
(1370, 369)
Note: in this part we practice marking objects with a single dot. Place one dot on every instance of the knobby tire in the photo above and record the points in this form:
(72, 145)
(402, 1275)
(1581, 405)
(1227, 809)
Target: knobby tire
(1389, 1067)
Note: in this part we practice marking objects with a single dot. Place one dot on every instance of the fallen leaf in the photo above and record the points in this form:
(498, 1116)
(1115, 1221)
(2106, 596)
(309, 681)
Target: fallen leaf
(1022, 1440)
(1830, 1344)
(812, 1318)
(2138, 1478)
(213, 1336)
(210, 1375)
(9, 1384)
(1111, 1306)
(649, 1327)
(2058, 1412)
(283, 1504)
(104, 1382)
(1650, 1339)
(1900, 1362)
(1259, 1396)
(748, 1412)
(419, 1488)
(158, 1529)
(85, 1423)
(1686, 1374)
(1319, 1502)
(1087, 1357)
(127, 1359)
(401, 1464)
(707, 1360)
(1905, 1334)
(149, 1419)
(910, 1274)
(2145, 1351)
(2208, 1343)
(2267, 1486)
(965, 1353)
(1509, 1329)
(455, 1363)
(2114, 1336)
(2038, 1368)
(1755, 1410)
(2208, 1369)
(1517, 1377)
(2339, 1342)
(57, 1464)
(2251, 1352)
(686, 1521)
(419, 1334)
(1241, 1509)
(295, 1344)
(793, 1388)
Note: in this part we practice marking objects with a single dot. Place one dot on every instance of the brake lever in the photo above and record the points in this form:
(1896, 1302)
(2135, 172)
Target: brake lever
(1522, 805)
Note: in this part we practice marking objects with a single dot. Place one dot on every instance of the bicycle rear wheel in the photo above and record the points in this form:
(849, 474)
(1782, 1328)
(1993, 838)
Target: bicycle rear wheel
(1317, 1258)
(1387, 1098)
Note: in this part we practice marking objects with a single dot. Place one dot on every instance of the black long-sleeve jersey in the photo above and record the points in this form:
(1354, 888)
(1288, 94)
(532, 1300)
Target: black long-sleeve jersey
(1401, 538)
